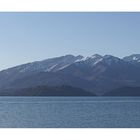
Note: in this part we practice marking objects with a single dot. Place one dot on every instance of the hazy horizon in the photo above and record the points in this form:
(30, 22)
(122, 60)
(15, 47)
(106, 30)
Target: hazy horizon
(28, 37)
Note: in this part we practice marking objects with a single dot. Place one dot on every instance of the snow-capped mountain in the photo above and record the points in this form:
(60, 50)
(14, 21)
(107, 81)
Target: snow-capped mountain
(48, 65)
(53, 64)
(96, 73)
(133, 58)
(90, 60)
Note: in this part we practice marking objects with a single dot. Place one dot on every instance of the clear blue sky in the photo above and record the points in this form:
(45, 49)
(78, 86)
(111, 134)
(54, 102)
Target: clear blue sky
(26, 37)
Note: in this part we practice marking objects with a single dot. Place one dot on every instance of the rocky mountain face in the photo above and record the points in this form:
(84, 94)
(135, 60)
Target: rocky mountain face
(97, 74)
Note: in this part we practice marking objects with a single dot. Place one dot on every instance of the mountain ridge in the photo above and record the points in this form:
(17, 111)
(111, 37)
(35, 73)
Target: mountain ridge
(95, 73)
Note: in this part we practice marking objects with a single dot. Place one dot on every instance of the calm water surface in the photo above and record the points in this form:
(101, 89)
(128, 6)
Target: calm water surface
(69, 112)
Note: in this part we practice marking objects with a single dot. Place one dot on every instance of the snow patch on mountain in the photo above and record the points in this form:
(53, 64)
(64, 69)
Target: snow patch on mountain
(63, 67)
(135, 58)
(49, 69)
(98, 61)
(81, 59)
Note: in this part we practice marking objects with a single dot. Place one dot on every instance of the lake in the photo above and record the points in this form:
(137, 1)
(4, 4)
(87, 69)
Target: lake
(70, 112)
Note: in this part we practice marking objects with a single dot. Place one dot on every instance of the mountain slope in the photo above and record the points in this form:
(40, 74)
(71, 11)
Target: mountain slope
(49, 65)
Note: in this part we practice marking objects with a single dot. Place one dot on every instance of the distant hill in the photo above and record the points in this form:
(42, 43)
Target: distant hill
(125, 91)
(46, 91)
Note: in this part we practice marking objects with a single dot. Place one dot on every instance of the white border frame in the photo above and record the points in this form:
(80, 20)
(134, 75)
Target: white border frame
(69, 5)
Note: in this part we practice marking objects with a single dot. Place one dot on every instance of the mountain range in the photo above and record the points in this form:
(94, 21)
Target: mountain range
(94, 75)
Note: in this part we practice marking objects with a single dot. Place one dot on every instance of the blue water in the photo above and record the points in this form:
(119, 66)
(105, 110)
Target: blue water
(69, 112)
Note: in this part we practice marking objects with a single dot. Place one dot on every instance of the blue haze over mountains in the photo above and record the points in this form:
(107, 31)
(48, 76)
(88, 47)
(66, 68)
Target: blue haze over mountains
(71, 75)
